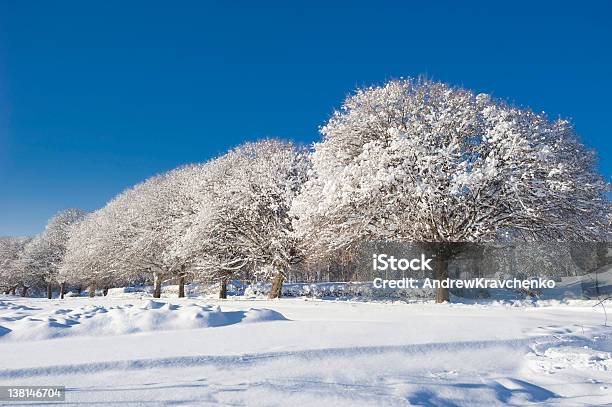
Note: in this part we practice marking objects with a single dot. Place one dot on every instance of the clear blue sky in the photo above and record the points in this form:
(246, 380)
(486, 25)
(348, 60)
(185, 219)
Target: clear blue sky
(98, 95)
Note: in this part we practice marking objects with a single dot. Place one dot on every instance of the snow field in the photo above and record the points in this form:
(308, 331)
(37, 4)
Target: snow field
(197, 352)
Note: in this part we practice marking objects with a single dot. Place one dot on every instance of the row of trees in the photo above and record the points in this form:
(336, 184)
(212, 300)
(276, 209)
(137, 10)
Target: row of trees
(224, 219)
(35, 261)
(409, 161)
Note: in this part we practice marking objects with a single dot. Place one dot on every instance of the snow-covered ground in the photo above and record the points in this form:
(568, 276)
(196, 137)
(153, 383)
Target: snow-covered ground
(131, 351)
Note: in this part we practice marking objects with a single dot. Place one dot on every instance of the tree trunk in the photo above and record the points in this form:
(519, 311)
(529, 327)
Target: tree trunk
(13, 290)
(105, 291)
(441, 274)
(49, 291)
(181, 284)
(92, 290)
(277, 286)
(444, 252)
(62, 290)
(223, 288)
(156, 285)
(24, 291)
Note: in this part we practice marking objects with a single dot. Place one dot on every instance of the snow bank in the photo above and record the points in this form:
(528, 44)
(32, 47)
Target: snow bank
(100, 320)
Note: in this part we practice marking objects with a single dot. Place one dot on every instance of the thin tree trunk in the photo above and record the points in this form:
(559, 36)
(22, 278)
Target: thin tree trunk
(62, 290)
(156, 285)
(105, 291)
(49, 291)
(24, 291)
(223, 288)
(13, 290)
(92, 290)
(181, 284)
(277, 286)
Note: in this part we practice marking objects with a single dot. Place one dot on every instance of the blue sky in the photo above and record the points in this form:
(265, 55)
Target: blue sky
(96, 96)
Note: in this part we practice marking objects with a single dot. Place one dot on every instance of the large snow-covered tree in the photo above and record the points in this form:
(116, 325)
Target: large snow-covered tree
(420, 161)
(243, 226)
(44, 254)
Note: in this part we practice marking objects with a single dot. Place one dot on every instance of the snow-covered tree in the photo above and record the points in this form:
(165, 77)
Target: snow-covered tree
(242, 226)
(420, 161)
(144, 218)
(93, 253)
(11, 267)
(122, 241)
(194, 198)
(164, 209)
(44, 254)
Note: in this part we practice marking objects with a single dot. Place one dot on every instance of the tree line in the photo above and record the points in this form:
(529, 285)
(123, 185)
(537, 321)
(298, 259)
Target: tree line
(409, 161)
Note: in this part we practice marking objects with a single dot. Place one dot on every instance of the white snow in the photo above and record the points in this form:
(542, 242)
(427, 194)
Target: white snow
(100, 320)
(307, 352)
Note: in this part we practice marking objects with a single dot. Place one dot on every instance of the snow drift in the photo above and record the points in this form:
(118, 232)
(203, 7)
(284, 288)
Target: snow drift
(102, 320)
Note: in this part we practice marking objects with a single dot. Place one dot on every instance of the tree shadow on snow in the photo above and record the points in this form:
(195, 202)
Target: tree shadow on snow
(4, 331)
(224, 318)
(514, 388)
(428, 398)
